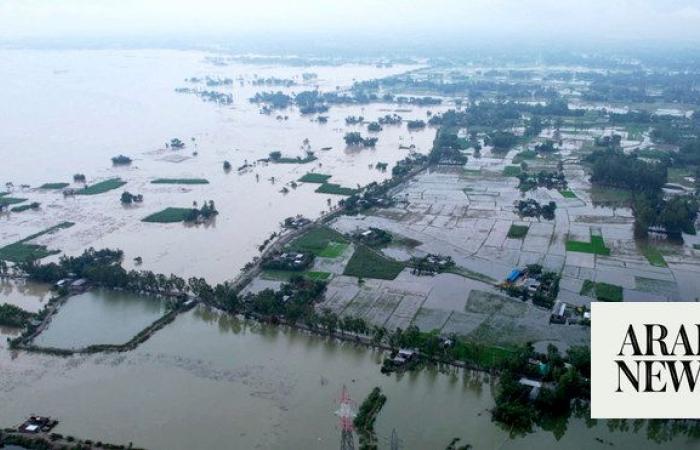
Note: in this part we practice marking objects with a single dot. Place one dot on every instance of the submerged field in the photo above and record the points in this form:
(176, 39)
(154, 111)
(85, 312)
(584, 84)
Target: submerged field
(24, 251)
(209, 378)
(100, 317)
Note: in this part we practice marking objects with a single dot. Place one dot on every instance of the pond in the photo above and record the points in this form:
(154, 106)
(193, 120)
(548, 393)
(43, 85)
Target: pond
(100, 317)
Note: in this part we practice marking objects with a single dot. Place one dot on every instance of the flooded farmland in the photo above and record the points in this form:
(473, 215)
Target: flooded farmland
(73, 112)
(210, 380)
(100, 317)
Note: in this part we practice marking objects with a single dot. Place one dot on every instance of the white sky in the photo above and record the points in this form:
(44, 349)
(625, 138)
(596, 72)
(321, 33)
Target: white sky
(657, 20)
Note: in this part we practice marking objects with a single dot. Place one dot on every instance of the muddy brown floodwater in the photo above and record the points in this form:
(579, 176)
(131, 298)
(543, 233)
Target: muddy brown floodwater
(212, 381)
(207, 380)
(70, 112)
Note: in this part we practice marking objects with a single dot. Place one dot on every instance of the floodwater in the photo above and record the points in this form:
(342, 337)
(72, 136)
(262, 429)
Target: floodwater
(68, 112)
(206, 380)
(28, 295)
(213, 381)
(100, 316)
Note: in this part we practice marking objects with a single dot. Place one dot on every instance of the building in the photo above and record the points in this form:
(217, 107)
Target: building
(79, 285)
(514, 275)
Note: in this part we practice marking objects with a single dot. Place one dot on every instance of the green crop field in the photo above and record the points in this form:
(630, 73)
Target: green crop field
(22, 208)
(286, 275)
(321, 241)
(596, 246)
(366, 263)
(54, 185)
(524, 156)
(102, 187)
(168, 215)
(653, 255)
(21, 251)
(511, 171)
(518, 231)
(604, 292)
(334, 189)
(6, 201)
(314, 178)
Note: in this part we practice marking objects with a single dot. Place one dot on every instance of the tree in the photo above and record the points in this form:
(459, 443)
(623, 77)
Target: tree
(127, 198)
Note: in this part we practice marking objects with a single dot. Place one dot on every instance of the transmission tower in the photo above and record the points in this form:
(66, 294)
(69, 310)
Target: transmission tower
(346, 414)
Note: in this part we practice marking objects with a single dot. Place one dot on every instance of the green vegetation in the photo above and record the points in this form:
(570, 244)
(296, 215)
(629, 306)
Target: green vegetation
(33, 205)
(314, 178)
(678, 175)
(525, 155)
(603, 292)
(13, 316)
(333, 250)
(543, 178)
(321, 241)
(511, 171)
(610, 196)
(518, 231)
(374, 127)
(472, 275)
(367, 263)
(180, 181)
(565, 388)
(611, 167)
(374, 237)
(277, 157)
(355, 138)
(544, 295)
(286, 275)
(653, 255)
(127, 198)
(532, 208)
(102, 187)
(635, 131)
(566, 193)
(334, 189)
(121, 160)
(169, 215)
(366, 416)
(596, 246)
(21, 251)
(54, 185)
(6, 201)
(172, 215)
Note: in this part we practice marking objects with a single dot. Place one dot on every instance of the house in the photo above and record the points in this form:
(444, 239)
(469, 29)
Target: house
(296, 222)
(65, 282)
(289, 261)
(404, 356)
(535, 386)
(79, 285)
(37, 424)
(532, 285)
